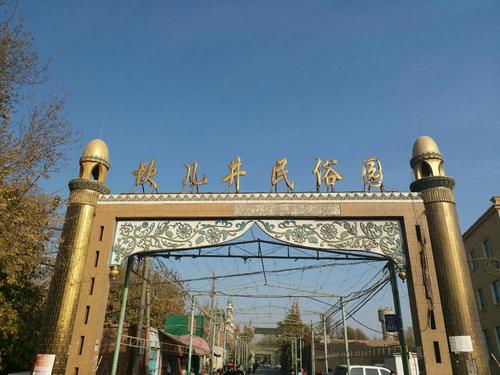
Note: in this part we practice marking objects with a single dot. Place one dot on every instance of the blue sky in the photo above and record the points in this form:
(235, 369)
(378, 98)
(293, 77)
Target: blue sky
(209, 80)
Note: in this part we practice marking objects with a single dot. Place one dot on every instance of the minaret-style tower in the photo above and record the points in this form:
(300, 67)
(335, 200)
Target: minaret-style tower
(455, 287)
(65, 285)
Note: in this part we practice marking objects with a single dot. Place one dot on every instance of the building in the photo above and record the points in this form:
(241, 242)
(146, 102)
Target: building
(482, 244)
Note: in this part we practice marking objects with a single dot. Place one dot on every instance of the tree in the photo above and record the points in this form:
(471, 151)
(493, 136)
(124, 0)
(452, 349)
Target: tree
(167, 296)
(410, 338)
(332, 329)
(34, 136)
(352, 333)
(248, 333)
(356, 334)
(292, 328)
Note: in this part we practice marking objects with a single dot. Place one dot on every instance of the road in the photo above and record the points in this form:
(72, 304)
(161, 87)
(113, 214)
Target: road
(267, 371)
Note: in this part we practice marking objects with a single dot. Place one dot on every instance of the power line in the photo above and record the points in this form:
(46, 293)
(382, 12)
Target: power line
(267, 271)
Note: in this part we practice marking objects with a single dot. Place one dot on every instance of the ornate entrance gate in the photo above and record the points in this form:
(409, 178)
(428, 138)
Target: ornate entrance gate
(102, 230)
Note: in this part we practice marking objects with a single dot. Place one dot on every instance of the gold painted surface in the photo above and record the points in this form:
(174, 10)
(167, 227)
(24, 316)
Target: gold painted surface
(93, 328)
(83, 197)
(66, 283)
(233, 177)
(96, 148)
(457, 296)
(191, 178)
(145, 174)
(371, 173)
(323, 171)
(438, 194)
(279, 173)
(424, 144)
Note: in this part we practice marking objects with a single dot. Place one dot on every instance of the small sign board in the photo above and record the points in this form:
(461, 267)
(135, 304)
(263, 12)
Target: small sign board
(391, 324)
(461, 344)
(44, 364)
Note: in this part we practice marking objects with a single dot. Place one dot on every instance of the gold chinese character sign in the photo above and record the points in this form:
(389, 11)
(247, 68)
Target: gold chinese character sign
(371, 174)
(280, 173)
(235, 172)
(191, 178)
(323, 170)
(145, 174)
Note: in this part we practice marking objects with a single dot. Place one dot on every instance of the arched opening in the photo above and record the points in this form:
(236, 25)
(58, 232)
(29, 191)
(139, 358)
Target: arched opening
(95, 173)
(268, 298)
(305, 246)
(426, 169)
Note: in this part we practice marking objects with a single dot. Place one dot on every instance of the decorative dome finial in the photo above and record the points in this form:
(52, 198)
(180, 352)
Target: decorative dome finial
(427, 160)
(94, 162)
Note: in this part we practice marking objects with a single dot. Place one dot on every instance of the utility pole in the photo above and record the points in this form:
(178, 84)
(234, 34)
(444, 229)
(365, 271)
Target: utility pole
(236, 350)
(212, 321)
(325, 350)
(146, 262)
(399, 318)
(224, 345)
(244, 362)
(313, 355)
(301, 347)
(295, 362)
(212, 357)
(147, 317)
(346, 342)
(212, 293)
(121, 319)
(191, 329)
(295, 354)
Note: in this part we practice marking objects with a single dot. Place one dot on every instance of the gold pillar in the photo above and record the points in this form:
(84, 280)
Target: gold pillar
(67, 278)
(455, 286)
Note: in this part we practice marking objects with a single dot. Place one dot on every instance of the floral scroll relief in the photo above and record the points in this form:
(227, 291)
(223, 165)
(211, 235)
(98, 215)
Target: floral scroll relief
(377, 236)
(139, 236)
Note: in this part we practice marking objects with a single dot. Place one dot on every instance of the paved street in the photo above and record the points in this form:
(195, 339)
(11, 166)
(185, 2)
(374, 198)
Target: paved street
(267, 371)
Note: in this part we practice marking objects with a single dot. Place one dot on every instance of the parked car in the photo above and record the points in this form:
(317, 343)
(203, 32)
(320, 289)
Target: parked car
(361, 370)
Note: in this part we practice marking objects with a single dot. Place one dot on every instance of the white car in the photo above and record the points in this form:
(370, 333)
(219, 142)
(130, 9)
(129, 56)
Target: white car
(361, 370)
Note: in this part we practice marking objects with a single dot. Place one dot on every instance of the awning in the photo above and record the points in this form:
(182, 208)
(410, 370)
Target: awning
(200, 346)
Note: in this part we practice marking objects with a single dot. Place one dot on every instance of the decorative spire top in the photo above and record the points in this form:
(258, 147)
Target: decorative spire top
(427, 161)
(424, 145)
(96, 150)
(94, 162)
(428, 165)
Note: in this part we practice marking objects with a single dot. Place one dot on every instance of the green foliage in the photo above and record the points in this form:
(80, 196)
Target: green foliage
(33, 140)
